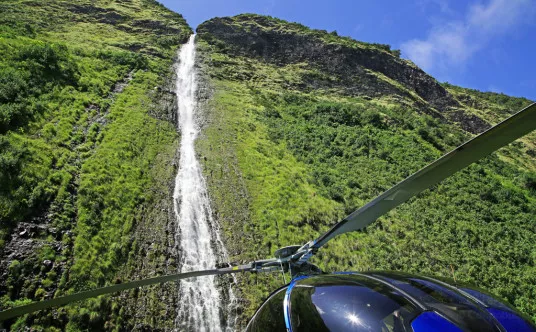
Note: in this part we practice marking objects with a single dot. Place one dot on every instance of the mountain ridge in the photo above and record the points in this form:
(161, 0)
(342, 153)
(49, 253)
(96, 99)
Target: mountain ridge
(355, 64)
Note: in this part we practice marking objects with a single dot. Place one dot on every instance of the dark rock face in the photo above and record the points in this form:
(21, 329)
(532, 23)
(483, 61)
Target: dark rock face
(84, 12)
(111, 18)
(25, 244)
(260, 40)
(155, 309)
(156, 26)
(469, 122)
(86, 9)
(470, 101)
(164, 105)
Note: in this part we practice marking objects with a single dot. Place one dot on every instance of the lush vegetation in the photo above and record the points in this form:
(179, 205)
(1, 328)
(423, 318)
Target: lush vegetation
(285, 163)
(86, 151)
(490, 105)
(83, 147)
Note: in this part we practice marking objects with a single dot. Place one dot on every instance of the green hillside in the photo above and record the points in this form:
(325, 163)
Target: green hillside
(304, 126)
(300, 128)
(88, 138)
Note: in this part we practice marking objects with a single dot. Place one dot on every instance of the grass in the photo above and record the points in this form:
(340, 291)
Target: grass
(284, 162)
(82, 157)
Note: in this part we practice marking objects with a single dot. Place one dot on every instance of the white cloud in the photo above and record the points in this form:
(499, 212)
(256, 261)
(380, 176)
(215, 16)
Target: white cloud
(420, 52)
(499, 15)
(451, 44)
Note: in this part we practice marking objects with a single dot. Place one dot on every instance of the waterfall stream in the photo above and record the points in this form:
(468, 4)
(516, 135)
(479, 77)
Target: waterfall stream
(200, 300)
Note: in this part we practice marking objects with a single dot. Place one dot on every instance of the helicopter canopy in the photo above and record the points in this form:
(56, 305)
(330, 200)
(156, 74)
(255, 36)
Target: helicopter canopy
(383, 301)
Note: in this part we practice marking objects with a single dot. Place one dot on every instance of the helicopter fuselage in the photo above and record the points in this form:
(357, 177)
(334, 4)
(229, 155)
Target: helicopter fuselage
(383, 301)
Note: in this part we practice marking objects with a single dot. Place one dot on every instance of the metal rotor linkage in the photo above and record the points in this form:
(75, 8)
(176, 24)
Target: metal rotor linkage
(295, 259)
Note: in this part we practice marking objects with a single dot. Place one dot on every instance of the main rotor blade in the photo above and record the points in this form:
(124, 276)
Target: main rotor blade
(480, 146)
(25, 309)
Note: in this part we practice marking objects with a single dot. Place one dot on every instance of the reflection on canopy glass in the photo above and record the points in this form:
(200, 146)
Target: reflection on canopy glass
(447, 301)
(359, 304)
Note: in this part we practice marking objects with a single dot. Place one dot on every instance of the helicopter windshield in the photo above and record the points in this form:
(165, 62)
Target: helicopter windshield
(453, 305)
(348, 303)
(270, 316)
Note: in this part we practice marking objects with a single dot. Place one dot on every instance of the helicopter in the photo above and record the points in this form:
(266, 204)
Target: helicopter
(368, 301)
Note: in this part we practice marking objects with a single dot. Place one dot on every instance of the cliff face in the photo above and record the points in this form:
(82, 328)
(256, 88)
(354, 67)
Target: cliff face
(304, 126)
(355, 68)
(281, 43)
(88, 141)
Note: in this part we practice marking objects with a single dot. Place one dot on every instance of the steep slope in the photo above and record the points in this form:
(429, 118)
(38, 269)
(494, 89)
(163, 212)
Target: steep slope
(304, 126)
(88, 137)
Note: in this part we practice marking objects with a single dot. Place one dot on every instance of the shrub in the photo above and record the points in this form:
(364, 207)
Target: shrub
(48, 63)
(13, 85)
(530, 182)
(131, 59)
(10, 163)
(40, 294)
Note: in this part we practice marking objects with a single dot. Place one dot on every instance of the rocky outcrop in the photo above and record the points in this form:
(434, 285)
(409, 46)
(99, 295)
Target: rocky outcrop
(155, 252)
(156, 27)
(164, 99)
(469, 122)
(263, 37)
(25, 266)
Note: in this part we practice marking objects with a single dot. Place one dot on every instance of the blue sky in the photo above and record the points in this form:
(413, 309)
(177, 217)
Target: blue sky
(487, 45)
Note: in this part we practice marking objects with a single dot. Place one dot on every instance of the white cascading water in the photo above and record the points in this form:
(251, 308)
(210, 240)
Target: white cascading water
(200, 307)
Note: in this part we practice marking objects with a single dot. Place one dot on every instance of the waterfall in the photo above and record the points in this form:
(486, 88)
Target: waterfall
(200, 300)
